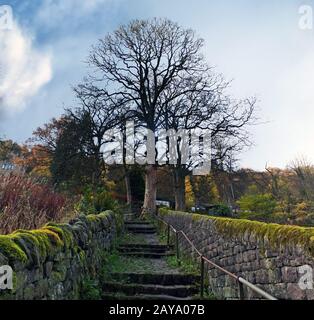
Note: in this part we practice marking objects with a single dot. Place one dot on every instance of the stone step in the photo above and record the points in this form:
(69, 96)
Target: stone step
(139, 226)
(146, 250)
(151, 255)
(162, 279)
(180, 291)
(143, 248)
(143, 245)
(129, 217)
(142, 230)
(130, 222)
(120, 296)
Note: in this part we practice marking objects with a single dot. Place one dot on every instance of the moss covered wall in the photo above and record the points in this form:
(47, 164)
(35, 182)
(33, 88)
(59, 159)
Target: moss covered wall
(52, 262)
(268, 255)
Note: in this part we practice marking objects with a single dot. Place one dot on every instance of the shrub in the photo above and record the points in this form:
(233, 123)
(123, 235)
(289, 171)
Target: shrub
(248, 215)
(220, 210)
(26, 203)
(301, 208)
(257, 203)
(96, 201)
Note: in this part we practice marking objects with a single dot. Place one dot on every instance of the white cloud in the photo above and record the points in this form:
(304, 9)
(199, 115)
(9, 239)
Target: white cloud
(23, 69)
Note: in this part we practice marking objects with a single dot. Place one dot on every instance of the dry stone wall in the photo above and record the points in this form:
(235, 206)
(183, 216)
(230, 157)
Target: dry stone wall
(53, 262)
(269, 255)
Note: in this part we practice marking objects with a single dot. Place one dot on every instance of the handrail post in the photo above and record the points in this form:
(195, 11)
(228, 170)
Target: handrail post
(241, 290)
(168, 235)
(202, 276)
(177, 248)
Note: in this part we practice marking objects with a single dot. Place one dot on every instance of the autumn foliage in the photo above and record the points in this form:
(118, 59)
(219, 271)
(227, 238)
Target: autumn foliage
(27, 203)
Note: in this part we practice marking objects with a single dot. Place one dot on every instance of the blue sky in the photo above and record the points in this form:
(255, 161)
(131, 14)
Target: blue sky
(258, 44)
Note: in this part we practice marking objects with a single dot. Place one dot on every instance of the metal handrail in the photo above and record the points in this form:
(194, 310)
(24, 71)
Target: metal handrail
(241, 281)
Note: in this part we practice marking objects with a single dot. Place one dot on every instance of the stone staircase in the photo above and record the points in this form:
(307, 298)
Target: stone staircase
(150, 287)
(140, 227)
(146, 251)
(160, 283)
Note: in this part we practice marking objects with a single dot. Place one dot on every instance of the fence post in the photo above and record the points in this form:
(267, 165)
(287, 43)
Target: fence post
(241, 290)
(177, 248)
(202, 276)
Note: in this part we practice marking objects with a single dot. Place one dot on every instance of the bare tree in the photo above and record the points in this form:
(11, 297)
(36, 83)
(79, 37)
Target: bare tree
(211, 109)
(304, 171)
(102, 115)
(138, 63)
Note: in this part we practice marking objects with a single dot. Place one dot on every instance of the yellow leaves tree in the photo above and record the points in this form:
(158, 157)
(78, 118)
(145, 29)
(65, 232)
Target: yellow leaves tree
(35, 160)
(189, 194)
(205, 190)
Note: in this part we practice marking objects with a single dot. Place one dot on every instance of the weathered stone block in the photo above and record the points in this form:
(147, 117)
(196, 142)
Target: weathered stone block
(28, 293)
(294, 292)
(290, 274)
(48, 268)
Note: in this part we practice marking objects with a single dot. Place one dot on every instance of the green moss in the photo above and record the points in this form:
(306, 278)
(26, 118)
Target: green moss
(275, 234)
(50, 237)
(164, 211)
(117, 263)
(63, 230)
(56, 276)
(98, 217)
(105, 214)
(11, 250)
(196, 217)
(30, 239)
(82, 255)
(186, 264)
(93, 218)
(44, 240)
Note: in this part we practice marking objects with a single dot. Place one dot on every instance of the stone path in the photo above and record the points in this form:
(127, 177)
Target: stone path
(149, 276)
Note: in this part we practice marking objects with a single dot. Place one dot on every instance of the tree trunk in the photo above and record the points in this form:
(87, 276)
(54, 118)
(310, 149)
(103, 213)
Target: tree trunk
(128, 188)
(149, 206)
(179, 189)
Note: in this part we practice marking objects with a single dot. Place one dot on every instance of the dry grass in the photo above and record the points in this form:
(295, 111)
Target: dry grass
(27, 203)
